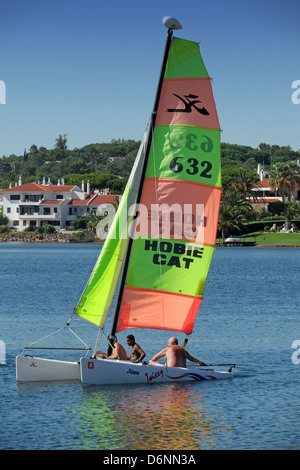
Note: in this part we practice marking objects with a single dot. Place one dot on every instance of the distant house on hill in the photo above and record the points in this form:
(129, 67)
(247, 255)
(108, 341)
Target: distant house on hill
(35, 204)
(265, 196)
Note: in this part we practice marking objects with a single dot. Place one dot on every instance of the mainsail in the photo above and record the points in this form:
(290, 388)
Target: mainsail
(175, 240)
(176, 180)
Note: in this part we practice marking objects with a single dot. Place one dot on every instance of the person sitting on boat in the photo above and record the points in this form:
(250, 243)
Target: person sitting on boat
(136, 354)
(118, 352)
(175, 355)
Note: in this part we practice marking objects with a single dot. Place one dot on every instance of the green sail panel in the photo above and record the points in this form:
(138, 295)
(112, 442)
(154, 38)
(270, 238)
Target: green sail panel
(172, 266)
(185, 60)
(185, 153)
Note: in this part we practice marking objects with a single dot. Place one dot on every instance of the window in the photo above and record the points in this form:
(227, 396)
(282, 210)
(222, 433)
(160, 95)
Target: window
(15, 197)
(32, 198)
(15, 222)
(8, 210)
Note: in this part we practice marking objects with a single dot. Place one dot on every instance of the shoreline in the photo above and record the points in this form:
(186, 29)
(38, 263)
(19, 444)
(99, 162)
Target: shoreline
(69, 238)
(45, 238)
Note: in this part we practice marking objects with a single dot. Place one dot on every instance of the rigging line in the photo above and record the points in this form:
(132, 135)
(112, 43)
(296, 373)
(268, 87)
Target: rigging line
(47, 336)
(53, 333)
(97, 342)
(77, 336)
(101, 332)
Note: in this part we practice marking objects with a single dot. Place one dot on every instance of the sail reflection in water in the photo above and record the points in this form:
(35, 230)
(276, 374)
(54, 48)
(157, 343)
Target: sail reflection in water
(171, 417)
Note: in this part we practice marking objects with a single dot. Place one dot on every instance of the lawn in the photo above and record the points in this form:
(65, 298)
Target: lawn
(273, 239)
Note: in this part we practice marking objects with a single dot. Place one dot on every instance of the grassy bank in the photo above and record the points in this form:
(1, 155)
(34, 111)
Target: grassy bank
(273, 239)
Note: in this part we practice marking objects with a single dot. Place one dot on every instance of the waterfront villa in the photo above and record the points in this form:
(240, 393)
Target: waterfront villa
(35, 204)
(264, 194)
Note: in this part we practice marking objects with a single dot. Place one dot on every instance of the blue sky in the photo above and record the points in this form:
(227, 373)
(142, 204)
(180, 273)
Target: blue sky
(89, 68)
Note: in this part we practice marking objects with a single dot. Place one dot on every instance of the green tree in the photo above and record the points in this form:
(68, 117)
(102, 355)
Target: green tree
(235, 211)
(284, 177)
(240, 180)
(61, 142)
(231, 219)
(93, 221)
(3, 218)
(291, 210)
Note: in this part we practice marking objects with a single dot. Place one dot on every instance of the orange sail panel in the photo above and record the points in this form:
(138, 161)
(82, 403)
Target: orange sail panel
(177, 221)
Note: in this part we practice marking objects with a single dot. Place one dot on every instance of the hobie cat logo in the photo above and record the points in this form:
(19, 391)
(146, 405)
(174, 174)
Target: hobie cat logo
(189, 102)
(2, 92)
(296, 94)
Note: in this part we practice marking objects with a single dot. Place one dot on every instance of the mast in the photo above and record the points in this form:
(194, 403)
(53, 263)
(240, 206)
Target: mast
(171, 24)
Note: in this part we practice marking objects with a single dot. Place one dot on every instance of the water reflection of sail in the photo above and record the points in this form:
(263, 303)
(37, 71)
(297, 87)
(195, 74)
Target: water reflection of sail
(169, 418)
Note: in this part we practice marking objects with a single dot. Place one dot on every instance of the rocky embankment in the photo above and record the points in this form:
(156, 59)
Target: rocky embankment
(59, 237)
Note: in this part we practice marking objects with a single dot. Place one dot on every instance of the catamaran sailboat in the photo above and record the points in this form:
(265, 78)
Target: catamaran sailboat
(159, 247)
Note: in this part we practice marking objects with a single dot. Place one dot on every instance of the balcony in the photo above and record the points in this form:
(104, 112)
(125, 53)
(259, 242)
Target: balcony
(36, 212)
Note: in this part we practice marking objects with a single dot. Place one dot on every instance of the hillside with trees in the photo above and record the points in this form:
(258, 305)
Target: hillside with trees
(108, 165)
(103, 164)
(114, 160)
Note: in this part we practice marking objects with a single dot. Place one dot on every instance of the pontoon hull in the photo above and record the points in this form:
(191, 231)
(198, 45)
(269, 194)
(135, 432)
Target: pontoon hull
(36, 369)
(105, 372)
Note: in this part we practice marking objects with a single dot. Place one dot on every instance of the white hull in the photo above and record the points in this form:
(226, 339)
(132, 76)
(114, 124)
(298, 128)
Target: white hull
(106, 371)
(35, 369)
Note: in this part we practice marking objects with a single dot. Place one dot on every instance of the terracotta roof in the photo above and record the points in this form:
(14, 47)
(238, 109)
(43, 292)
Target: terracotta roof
(105, 199)
(95, 200)
(81, 202)
(35, 187)
(264, 183)
(264, 200)
(46, 203)
(60, 188)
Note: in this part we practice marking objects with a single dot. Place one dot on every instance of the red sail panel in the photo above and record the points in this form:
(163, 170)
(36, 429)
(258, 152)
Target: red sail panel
(188, 102)
(159, 309)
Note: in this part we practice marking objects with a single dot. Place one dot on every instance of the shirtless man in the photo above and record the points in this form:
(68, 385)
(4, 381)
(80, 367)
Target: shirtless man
(136, 354)
(175, 355)
(118, 352)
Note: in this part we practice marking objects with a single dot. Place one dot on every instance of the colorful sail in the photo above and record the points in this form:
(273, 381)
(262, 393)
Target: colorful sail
(97, 297)
(179, 206)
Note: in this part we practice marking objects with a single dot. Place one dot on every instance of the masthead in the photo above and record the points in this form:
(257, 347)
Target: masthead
(171, 23)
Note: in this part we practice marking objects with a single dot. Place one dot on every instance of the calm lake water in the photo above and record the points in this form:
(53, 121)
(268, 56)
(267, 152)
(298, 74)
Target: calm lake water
(249, 316)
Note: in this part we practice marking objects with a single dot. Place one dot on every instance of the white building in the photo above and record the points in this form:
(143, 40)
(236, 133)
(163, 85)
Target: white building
(35, 204)
(264, 196)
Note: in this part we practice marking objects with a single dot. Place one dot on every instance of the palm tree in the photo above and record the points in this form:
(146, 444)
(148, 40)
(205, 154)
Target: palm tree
(231, 218)
(284, 177)
(292, 209)
(243, 182)
(93, 221)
